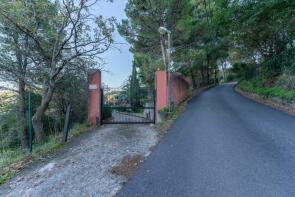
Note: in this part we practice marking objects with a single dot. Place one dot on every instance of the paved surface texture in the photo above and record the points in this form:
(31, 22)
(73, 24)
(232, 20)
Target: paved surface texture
(224, 145)
(84, 168)
(125, 117)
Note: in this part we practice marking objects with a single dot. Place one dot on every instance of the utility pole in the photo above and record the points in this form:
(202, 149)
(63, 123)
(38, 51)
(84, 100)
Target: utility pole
(163, 31)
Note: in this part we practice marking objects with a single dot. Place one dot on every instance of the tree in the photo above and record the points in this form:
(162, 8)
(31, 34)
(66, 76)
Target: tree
(141, 31)
(60, 33)
(14, 69)
(261, 31)
(134, 90)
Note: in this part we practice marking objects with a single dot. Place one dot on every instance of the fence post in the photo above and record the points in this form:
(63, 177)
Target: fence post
(66, 125)
(30, 124)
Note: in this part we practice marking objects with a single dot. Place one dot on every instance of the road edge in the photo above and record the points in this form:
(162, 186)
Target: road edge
(273, 102)
(161, 130)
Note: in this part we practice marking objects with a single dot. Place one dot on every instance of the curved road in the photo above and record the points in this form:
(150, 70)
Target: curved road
(224, 145)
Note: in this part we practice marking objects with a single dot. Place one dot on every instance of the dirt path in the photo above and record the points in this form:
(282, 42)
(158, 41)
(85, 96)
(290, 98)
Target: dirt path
(84, 167)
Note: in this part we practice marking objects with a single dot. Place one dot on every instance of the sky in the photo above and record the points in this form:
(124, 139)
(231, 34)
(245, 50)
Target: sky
(118, 61)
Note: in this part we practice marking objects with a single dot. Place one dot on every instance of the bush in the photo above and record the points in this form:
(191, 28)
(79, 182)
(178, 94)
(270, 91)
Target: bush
(244, 71)
(106, 112)
(12, 160)
(286, 81)
(279, 92)
(9, 133)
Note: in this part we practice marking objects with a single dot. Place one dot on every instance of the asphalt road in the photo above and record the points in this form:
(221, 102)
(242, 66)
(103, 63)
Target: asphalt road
(224, 145)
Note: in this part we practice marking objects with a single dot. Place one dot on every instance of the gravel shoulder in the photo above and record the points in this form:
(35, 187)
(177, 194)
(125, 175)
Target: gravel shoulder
(84, 166)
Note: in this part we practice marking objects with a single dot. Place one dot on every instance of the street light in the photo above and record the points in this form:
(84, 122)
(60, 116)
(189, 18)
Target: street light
(163, 31)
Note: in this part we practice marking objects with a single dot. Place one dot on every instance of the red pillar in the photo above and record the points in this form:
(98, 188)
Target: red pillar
(94, 97)
(162, 90)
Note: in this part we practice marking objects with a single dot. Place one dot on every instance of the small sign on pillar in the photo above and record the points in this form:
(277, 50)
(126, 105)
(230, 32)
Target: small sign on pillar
(92, 87)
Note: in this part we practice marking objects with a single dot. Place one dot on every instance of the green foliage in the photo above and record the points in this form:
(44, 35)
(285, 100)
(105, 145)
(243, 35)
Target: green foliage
(20, 157)
(256, 87)
(173, 107)
(9, 135)
(13, 159)
(107, 112)
(78, 128)
(263, 34)
(68, 91)
(244, 71)
(286, 80)
(198, 30)
(44, 44)
(134, 90)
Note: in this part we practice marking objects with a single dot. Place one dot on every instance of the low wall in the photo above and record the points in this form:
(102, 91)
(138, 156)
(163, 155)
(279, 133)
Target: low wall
(180, 88)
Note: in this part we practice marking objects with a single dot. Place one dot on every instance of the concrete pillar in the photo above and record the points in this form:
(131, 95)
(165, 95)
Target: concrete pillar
(94, 98)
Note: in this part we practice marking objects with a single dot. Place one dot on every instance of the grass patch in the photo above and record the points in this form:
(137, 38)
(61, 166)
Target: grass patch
(256, 88)
(78, 129)
(13, 160)
(163, 126)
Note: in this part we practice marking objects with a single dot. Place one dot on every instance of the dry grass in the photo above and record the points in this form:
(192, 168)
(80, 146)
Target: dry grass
(14, 160)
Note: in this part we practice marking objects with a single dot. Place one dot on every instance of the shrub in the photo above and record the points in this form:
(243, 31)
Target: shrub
(9, 133)
(244, 71)
(279, 92)
(286, 81)
(106, 112)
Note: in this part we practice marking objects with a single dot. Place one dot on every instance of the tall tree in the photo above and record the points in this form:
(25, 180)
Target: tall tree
(60, 33)
(141, 31)
(14, 68)
(134, 90)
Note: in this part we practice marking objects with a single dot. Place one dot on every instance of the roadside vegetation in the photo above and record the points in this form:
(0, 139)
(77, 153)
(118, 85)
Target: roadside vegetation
(268, 92)
(12, 160)
(250, 41)
(47, 48)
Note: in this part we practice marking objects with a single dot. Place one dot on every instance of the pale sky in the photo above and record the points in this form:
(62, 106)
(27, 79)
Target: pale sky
(119, 63)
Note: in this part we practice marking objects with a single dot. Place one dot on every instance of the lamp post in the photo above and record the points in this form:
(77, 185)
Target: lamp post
(163, 31)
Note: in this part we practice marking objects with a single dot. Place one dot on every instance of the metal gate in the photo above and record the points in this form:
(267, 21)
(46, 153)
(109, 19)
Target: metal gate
(126, 106)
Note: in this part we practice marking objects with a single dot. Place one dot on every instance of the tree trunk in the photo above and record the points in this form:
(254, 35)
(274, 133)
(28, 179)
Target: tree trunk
(193, 78)
(208, 76)
(22, 115)
(208, 69)
(203, 76)
(22, 110)
(37, 118)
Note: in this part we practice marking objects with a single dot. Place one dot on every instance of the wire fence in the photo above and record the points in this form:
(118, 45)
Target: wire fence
(18, 145)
